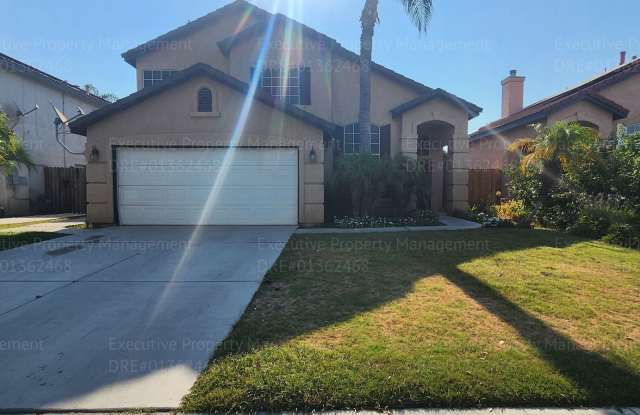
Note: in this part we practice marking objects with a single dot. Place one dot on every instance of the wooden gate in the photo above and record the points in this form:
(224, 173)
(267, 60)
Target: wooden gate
(65, 189)
(483, 185)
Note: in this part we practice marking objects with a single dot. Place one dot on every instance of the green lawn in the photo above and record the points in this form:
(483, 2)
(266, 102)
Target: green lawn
(482, 318)
(10, 240)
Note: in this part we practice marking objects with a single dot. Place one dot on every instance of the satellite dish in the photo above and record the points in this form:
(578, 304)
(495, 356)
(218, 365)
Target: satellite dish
(61, 118)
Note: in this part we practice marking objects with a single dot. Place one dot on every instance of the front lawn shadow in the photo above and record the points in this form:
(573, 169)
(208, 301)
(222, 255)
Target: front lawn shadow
(407, 320)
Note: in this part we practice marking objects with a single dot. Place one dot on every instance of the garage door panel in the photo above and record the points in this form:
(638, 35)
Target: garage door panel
(173, 186)
(238, 196)
(235, 176)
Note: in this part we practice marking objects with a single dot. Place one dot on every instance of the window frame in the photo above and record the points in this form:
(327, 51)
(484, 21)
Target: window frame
(272, 82)
(153, 77)
(352, 131)
(209, 105)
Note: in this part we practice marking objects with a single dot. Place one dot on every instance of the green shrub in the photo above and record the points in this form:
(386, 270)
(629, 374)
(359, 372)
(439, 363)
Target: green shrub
(484, 215)
(360, 182)
(364, 175)
(419, 218)
(513, 211)
(623, 234)
(406, 178)
(602, 217)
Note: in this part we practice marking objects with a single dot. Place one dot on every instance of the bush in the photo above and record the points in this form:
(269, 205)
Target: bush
(419, 218)
(406, 178)
(607, 219)
(362, 181)
(485, 216)
(513, 211)
(623, 234)
(363, 175)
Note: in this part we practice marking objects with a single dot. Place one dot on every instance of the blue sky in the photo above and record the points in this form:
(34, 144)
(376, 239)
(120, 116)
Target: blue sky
(469, 48)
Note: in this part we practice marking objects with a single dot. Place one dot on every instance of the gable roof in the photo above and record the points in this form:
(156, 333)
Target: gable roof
(471, 109)
(588, 91)
(132, 55)
(259, 28)
(14, 66)
(80, 125)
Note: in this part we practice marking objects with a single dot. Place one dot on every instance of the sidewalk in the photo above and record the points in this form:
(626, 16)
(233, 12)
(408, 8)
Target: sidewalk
(449, 223)
(42, 223)
(488, 411)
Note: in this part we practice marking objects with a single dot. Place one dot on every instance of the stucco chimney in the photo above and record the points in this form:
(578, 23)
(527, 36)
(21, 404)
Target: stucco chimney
(623, 57)
(512, 93)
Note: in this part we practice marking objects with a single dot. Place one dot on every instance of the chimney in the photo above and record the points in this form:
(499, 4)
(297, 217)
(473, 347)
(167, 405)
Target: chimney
(623, 57)
(512, 93)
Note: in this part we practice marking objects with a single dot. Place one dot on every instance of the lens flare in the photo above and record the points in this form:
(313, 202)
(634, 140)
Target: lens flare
(227, 160)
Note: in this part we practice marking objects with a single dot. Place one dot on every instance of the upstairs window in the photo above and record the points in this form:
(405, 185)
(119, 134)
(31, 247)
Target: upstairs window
(291, 85)
(151, 78)
(205, 100)
(352, 139)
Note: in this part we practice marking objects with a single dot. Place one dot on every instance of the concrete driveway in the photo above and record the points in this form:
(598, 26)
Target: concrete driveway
(123, 317)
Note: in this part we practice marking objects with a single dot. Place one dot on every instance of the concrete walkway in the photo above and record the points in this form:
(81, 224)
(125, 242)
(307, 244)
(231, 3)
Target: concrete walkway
(449, 223)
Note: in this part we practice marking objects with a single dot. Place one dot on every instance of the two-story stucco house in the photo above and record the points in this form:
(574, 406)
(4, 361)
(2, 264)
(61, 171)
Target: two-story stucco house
(22, 87)
(238, 118)
(602, 103)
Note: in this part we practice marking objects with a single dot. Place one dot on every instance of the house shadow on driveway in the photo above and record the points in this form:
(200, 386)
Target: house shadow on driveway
(323, 282)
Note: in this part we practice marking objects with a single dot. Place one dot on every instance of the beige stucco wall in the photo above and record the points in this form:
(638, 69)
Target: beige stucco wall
(627, 94)
(169, 119)
(198, 47)
(457, 177)
(491, 152)
(585, 111)
(288, 48)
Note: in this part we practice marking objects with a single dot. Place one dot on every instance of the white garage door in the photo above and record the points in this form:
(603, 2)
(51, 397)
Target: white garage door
(191, 186)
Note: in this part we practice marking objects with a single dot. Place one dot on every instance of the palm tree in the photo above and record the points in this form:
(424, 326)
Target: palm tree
(12, 152)
(94, 91)
(553, 149)
(420, 13)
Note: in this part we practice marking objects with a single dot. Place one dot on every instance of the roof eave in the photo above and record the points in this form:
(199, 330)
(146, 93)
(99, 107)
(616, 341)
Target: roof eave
(80, 125)
(469, 108)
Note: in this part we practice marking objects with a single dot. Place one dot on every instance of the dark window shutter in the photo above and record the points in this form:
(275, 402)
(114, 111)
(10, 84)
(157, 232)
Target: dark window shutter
(385, 142)
(305, 86)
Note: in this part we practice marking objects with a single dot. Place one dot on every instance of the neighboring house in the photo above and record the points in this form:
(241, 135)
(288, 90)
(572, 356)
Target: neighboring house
(22, 87)
(603, 103)
(194, 116)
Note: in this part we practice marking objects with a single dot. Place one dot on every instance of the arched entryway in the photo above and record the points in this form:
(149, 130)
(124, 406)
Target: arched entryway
(434, 138)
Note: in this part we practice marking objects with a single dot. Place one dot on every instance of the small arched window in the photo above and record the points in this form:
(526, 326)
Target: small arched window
(205, 100)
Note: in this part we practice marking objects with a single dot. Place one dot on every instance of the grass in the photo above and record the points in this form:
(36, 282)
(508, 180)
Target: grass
(10, 240)
(502, 317)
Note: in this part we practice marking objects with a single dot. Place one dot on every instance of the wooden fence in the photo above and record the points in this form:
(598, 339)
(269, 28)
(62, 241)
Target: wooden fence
(483, 185)
(65, 189)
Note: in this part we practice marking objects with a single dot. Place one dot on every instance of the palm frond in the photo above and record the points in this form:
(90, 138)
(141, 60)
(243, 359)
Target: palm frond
(522, 145)
(419, 12)
(12, 151)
